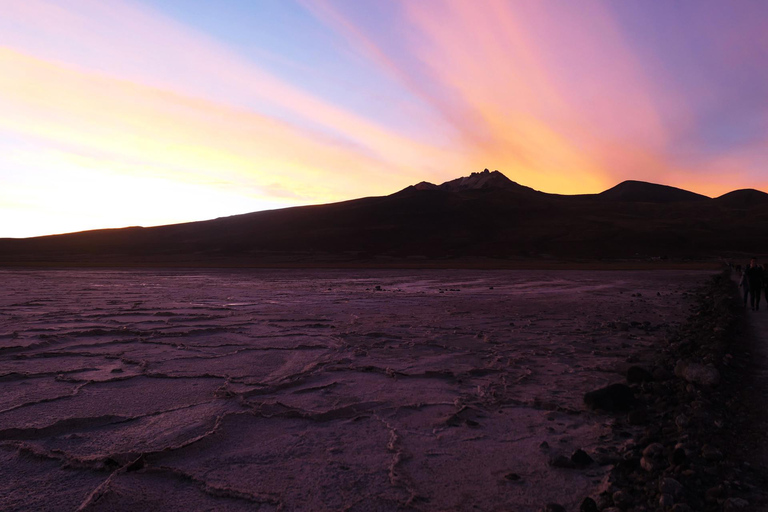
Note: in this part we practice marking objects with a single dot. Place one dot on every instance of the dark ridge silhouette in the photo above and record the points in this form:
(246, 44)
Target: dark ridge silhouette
(477, 181)
(643, 192)
(483, 180)
(484, 219)
(744, 198)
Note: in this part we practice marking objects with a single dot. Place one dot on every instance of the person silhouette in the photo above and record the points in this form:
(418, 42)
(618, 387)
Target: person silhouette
(755, 277)
(744, 283)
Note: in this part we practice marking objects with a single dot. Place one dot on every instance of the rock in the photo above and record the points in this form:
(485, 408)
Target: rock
(653, 457)
(637, 374)
(616, 397)
(714, 493)
(588, 505)
(695, 373)
(653, 450)
(544, 445)
(666, 501)
(604, 502)
(682, 421)
(678, 457)
(512, 476)
(681, 507)
(553, 507)
(581, 458)
(622, 499)
(711, 453)
(649, 464)
(732, 504)
(671, 486)
(561, 461)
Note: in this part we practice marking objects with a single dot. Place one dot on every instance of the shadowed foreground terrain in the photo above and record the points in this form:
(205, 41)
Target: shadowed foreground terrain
(483, 220)
(318, 390)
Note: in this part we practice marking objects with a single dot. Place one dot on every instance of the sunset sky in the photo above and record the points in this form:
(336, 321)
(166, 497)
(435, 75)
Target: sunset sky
(117, 113)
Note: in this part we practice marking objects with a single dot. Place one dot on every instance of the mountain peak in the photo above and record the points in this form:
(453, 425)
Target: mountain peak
(477, 180)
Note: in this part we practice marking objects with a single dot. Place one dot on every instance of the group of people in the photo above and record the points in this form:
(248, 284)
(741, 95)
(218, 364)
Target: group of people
(753, 282)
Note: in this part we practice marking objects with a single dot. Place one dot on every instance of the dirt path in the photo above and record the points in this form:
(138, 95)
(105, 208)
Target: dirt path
(748, 404)
(756, 363)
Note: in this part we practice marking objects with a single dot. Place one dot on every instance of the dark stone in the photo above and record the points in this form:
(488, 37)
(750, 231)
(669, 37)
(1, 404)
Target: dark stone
(553, 507)
(588, 505)
(670, 486)
(616, 397)
(637, 374)
(666, 501)
(711, 453)
(696, 373)
(654, 450)
(622, 499)
(714, 493)
(512, 476)
(678, 457)
(733, 504)
(605, 500)
(581, 458)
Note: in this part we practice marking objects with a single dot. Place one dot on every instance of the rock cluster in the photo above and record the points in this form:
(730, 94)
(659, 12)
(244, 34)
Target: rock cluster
(683, 460)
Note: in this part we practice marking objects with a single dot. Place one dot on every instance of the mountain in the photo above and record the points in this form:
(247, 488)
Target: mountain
(642, 192)
(744, 198)
(482, 219)
(485, 180)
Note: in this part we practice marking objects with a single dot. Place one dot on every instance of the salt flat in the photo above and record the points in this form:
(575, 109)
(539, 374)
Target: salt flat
(316, 390)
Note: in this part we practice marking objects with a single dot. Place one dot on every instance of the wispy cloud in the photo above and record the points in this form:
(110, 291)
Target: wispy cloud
(557, 94)
(122, 89)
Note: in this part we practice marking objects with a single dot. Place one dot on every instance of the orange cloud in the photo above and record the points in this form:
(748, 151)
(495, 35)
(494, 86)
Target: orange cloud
(100, 95)
(172, 57)
(94, 135)
(545, 92)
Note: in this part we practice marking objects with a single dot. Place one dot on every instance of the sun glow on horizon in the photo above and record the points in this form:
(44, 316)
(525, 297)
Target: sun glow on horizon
(126, 113)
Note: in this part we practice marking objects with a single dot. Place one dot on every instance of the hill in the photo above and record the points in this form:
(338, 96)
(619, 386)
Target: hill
(482, 219)
(640, 191)
(744, 198)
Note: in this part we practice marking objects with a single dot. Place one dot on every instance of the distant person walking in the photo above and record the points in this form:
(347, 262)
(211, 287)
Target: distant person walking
(755, 277)
(744, 283)
(765, 283)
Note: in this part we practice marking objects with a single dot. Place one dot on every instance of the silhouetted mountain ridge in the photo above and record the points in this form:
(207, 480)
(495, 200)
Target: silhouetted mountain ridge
(641, 191)
(483, 216)
(484, 180)
(743, 198)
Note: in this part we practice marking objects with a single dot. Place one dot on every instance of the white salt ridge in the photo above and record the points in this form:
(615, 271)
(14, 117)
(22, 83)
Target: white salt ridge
(314, 390)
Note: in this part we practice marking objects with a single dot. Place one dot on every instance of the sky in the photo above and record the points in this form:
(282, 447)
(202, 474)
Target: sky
(119, 113)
